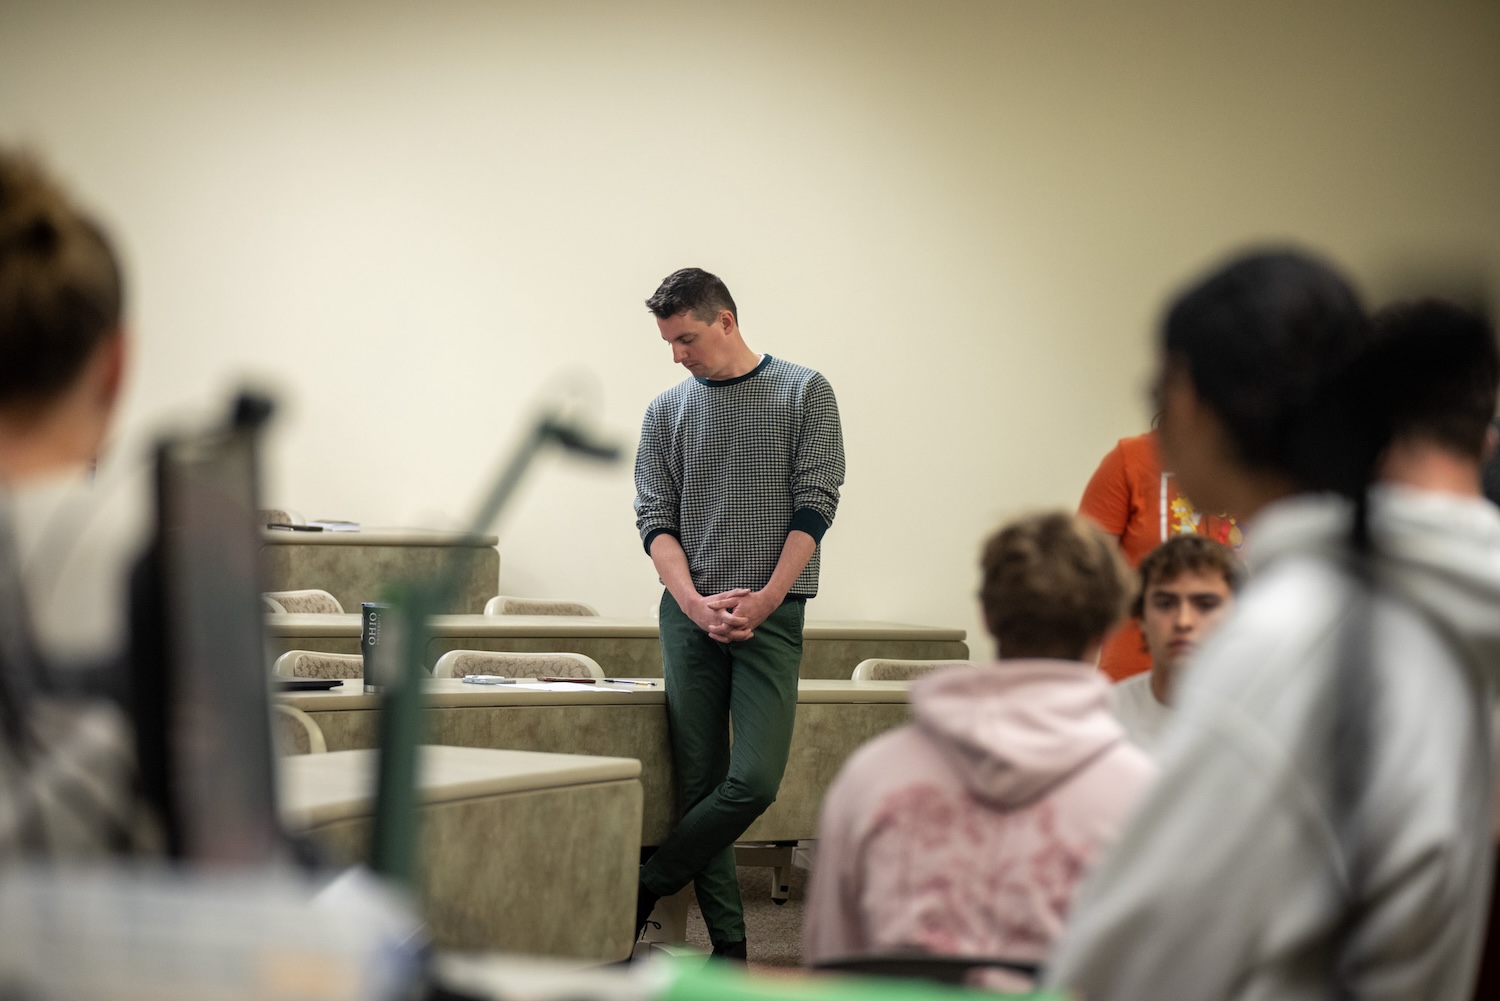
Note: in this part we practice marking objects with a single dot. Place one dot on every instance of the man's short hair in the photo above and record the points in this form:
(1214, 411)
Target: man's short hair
(60, 286)
(1269, 342)
(1186, 554)
(1053, 584)
(1437, 367)
(692, 290)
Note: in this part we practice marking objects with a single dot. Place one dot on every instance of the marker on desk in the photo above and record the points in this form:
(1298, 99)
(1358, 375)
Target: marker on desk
(571, 681)
(631, 681)
(487, 679)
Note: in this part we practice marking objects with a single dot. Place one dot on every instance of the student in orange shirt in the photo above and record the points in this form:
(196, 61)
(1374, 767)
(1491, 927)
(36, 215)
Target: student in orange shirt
(1133, 499)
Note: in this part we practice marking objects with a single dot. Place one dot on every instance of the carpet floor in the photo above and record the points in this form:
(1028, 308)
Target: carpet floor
(773, 932)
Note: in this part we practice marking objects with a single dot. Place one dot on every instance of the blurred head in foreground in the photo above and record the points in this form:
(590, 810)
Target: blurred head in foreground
(1433, 369)
(61, 347)
(1053, 585)
(1256, 385)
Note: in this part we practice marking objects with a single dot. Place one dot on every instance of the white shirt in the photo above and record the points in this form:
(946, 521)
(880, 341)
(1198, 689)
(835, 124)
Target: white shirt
(1143, 717)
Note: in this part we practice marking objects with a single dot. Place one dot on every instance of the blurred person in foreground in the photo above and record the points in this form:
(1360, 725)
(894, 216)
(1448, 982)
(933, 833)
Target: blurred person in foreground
(965, 832)
(1321, 825)
(66, 751)
(1187, 589)
(1442, 364)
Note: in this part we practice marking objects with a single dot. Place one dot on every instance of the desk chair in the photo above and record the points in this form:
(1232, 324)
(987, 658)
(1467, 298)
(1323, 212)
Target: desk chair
(317, 664)
(779, 857)
(459, 663)
(877, 669)
(307, 602)
(504, 604)
(296, 732)
(927, 966)
(269, 516)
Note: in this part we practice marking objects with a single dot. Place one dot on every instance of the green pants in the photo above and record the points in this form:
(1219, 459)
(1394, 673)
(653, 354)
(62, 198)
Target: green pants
(722, 788)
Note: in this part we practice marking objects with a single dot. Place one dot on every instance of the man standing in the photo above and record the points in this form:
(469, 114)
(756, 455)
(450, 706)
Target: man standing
(1187, 588)
(737, 478)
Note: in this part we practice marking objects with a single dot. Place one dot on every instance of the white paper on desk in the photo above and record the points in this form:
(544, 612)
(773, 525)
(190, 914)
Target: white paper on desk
(564, 686)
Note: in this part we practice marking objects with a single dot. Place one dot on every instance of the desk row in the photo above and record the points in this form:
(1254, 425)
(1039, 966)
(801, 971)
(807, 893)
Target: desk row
(623, 647)
(833, 719)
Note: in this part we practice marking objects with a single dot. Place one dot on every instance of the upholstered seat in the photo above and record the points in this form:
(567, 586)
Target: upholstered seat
(296, 733)
(307, 602)
(504, 604)
(318, 664)
(877, 669)
(278, 516)
(505, 664)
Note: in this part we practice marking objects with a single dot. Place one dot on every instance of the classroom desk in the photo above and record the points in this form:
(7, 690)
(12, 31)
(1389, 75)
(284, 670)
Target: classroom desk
(357, 566)
(626, 648)
(531, 853)
(833, 718)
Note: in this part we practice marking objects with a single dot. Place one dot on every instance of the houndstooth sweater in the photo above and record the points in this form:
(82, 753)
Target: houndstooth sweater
(731, 467)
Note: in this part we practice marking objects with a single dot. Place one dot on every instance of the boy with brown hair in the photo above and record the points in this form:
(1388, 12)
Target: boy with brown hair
(1187, 589)
(966, 832)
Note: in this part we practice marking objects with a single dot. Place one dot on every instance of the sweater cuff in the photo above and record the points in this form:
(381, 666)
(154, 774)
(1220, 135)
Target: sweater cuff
(805, 519)
(651, 536)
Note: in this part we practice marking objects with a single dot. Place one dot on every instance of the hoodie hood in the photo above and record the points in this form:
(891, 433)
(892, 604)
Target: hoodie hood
(1013, 730)
(1439, 551)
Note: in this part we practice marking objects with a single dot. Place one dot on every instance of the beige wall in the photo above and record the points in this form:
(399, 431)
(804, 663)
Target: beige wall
(410, 220)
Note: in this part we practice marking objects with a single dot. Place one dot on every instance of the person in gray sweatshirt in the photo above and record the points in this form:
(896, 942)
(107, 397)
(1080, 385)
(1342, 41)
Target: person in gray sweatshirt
(1322, 824)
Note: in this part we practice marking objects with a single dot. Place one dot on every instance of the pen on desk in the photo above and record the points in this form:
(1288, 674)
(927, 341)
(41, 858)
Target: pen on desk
(631, 681)
(571, 681)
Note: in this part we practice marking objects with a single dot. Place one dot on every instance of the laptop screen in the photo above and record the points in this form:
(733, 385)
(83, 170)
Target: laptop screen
(214, 696)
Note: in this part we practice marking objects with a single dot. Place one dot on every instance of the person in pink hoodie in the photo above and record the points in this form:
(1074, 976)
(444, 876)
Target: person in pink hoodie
(966, 832)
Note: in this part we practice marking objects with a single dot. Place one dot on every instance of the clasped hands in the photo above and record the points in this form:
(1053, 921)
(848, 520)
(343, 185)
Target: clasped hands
(733, 616)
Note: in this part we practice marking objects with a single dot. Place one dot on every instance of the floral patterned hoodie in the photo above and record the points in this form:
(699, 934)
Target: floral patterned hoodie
(966, 832)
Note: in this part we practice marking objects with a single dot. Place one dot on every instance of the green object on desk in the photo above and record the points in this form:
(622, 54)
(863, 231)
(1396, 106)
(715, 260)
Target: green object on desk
(393, 848)
(716, 981)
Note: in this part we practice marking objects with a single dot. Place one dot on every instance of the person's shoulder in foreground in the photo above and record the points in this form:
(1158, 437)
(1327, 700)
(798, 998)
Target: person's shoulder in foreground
(1243, 812)
(966, 832)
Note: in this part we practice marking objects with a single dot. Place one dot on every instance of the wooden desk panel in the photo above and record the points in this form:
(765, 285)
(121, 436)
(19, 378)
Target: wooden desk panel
(527, 853)
(833, 719)
(621, 731)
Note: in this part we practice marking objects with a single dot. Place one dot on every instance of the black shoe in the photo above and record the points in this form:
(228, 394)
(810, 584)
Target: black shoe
(732, 951)
(645, 903)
